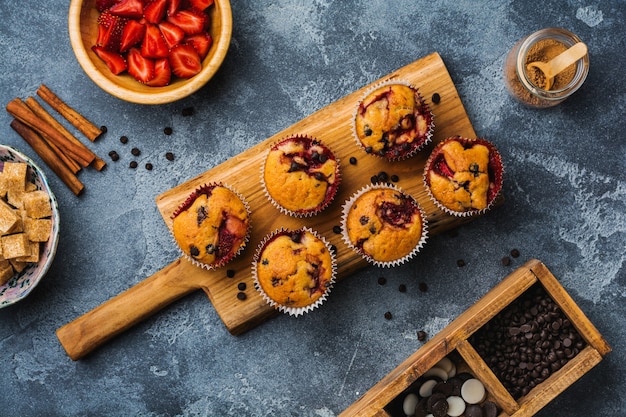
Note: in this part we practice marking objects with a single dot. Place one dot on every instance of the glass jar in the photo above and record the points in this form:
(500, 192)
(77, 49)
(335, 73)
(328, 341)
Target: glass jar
(519, 82)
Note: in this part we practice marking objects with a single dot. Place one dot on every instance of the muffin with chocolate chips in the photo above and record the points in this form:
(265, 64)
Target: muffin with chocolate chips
(464, 176)
(211, 227)
(294, 270)
(300, 176)
(384, 225)
(393, 121)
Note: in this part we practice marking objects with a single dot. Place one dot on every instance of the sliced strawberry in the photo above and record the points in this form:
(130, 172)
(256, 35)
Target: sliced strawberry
(102, 5)
(110, 28)
(154, 11)
(132, 34)
(162, 73)
(201, 42)
(190, 20)
(171, 33)
(114, 61)
(200, 4)
(132, 9)
(142, 69)
(153, 44)
(442, 167)
(174, 6)
(185, 61)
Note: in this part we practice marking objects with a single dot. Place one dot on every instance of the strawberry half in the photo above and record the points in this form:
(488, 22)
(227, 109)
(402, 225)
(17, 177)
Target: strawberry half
(110, 29)
(113, 60)
(154, 11)
(132, 34)
(171, 33)
(190, 20)
(132, 9)
(142, 69)
(162, 73)
(201, 42)
(153, 44)
(185, 61)
(174, 6)
(200, 4)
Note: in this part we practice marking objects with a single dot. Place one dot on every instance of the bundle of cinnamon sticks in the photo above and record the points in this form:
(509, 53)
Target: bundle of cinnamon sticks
(65, 154)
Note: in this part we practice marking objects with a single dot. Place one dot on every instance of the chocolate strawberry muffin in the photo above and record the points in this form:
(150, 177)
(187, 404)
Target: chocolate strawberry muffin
(464, 176)
(393, 122)
(301, 176)
(294, 270)
(211, 227)
(384, 225)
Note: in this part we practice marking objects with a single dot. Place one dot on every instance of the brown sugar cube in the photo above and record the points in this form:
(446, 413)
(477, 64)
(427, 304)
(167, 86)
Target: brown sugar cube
(37, 230)
(15, 175)
(37, 204)
(33, 256)
(8, 217)
(6, 272)
(17, 265)
(15, 246)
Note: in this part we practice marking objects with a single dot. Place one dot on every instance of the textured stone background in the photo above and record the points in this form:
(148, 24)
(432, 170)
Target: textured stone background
(565, 204)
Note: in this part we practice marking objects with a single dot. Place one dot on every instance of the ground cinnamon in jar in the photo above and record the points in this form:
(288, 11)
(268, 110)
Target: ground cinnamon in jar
(543, 51)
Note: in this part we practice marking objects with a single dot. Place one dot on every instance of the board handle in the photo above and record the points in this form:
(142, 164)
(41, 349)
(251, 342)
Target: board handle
(123, 311)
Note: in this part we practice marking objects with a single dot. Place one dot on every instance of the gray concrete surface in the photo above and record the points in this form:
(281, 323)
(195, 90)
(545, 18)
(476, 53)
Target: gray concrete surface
(565, 192)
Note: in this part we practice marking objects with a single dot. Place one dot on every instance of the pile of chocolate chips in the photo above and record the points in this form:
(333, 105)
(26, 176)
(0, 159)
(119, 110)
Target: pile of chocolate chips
(527, 341)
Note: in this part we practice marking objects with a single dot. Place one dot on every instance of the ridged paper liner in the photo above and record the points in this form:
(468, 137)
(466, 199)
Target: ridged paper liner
(494, 157)
(412, 152)
(305, 212)
(285, 309)
(344, 218)
(194, 195)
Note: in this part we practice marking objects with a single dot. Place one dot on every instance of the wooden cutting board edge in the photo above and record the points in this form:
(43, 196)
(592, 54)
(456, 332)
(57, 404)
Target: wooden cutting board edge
(330, 124)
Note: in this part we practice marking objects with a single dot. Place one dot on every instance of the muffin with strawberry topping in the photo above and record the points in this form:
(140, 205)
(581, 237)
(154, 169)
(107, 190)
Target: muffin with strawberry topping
(294, 270)
(393, 121)
(211, 227)
(300, 176)
(464, 176)
(384, 225)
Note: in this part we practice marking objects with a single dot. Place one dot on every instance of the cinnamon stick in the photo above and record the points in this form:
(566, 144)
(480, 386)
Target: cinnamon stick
(40, 111)
(47, 154)
(18, 109)
(75, 118)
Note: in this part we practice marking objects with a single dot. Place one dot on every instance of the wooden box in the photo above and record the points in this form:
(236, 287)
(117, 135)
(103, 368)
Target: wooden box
(455, 339)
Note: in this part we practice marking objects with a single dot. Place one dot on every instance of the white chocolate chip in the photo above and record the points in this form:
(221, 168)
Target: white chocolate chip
(438, 372)
(408, 406)
(456, 406)
(473, 391)
(426, 389)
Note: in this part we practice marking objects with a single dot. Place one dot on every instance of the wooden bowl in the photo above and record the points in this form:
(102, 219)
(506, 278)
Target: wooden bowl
(83, 30)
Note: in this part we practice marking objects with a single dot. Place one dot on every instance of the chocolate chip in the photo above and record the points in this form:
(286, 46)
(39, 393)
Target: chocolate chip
(436, 98)
(149, 166)
(388, 315)
(135, 151)
(241, 295)
(382, 176)
(423, 287)
(374, 179)
(187, 111)
(241, 286)
(515, 253)
(395, 178)
(421, 335)
(230, 273)
(169, 156)
(369, 149)
(460, 263)
(124, 139)
(114, 156)
(337, 229)
(133, 164)
(104, 129)
(167, 131)
(402, 288)
(473, 410)
(506, 261)
(382, 280)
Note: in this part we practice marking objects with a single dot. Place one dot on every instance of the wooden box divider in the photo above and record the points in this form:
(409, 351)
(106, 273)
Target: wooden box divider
(454, 338)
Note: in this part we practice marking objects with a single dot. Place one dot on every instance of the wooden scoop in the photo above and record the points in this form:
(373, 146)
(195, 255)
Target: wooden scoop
(557, 64)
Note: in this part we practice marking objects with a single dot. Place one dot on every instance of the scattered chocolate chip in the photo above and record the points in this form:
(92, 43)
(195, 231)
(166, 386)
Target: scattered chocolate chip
(423, 287)
(382, 176)
(460, 263)
(133, 164)
(167, 131)
(135, 151)
(402, 288)
(506, 261)
(374, 179)
(104, 129)
(515, 253)
(149, 166)
(124, 139)
(421, 335)
(395, 178)
(436, 98)
(241, 286)
(388, 315)
(188, 111)
(337, 229)
(382, 280)
(169, 156)
(353, 160)
(114, 156)
(369, 149)
(230, 273)
(241, 295)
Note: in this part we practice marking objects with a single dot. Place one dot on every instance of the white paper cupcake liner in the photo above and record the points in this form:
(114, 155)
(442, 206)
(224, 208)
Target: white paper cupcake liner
(241, 248)
(413, 152)
(499, 178)
(302, 213)
(293, 311)
(385, 264)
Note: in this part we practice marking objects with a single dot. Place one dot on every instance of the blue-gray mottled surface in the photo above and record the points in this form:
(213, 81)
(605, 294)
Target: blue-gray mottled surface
(565, 191)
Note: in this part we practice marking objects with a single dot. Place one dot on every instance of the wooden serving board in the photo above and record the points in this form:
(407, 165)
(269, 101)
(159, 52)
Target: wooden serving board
(331, 125)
